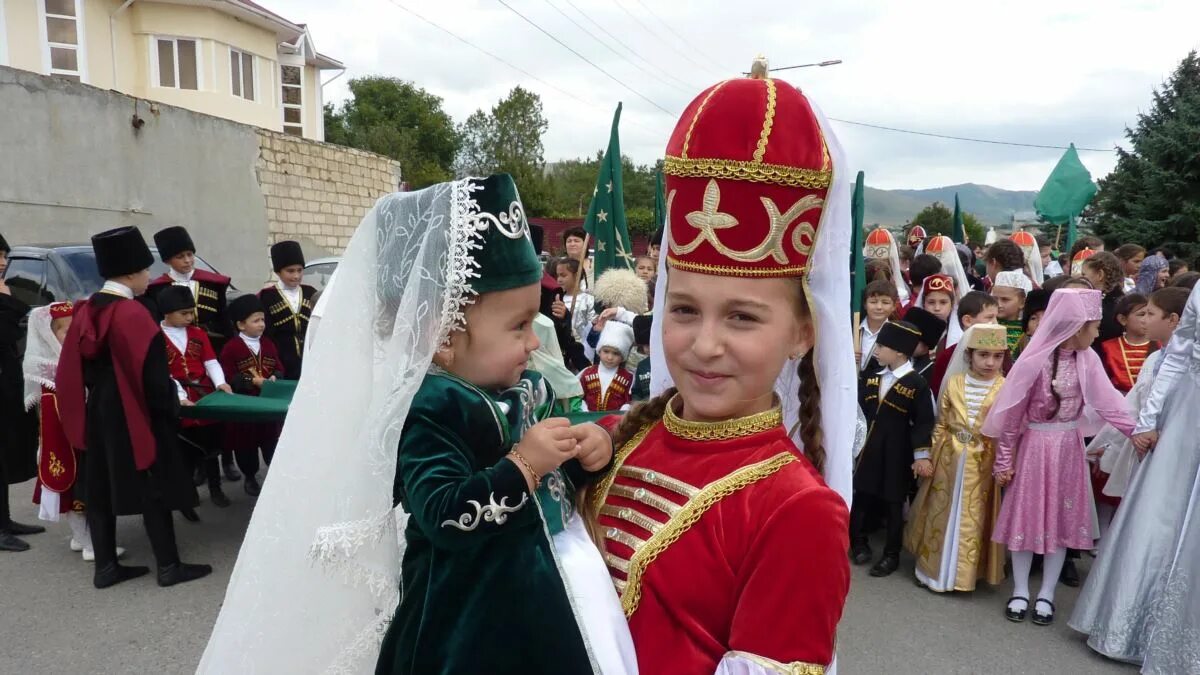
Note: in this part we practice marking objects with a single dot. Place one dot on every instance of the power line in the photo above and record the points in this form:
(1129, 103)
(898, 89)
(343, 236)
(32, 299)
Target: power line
(656, 35)
(585, 59)
(964, 138)
(668, 26)
(619, 54)
(564, 92)
(631, 50)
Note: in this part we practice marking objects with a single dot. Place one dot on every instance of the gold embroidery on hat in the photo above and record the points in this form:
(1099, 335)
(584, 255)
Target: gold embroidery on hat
(754, 172)
(710, 219)
(768, 123)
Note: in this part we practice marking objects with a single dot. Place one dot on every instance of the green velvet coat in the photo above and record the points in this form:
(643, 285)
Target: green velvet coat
(482, 590)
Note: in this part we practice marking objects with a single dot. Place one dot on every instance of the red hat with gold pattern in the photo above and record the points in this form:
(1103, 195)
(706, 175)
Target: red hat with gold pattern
(1077, 261)
(916, 236)
(1024, 239)
(61, 310)
(747, 174)
(879, 244)
(940, 244)
(938, 282)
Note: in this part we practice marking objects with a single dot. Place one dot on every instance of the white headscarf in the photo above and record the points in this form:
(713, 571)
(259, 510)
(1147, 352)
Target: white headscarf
(1013, 279)
(42, 350)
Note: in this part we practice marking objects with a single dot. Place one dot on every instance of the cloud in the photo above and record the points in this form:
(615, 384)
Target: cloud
(1027, 71)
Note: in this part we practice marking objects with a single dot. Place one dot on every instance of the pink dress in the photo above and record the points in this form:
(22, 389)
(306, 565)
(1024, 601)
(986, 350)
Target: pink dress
(1049, 505)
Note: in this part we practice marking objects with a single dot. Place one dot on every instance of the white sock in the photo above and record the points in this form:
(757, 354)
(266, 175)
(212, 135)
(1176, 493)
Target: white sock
(1052, 564)
(79, 529)
(1022, 563)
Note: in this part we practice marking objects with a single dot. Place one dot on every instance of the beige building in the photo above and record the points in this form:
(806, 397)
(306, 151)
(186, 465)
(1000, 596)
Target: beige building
(228, 58)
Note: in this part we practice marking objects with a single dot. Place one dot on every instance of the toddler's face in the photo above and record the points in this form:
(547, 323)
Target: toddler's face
(611, 358)
(493, 351)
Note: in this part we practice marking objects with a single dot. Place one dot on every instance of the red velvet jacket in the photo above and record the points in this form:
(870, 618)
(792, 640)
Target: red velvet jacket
(615, 397)
(187, 368)
(722, 537)
(1123, 360)
(242, 365)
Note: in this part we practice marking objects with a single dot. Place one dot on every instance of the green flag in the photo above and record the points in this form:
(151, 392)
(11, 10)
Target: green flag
(857, 210)
(605, 220)
(960, 232)
(1067, 191)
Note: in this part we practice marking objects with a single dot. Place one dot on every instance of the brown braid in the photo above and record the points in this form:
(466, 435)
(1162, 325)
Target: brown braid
(1053, 387)
(646, 412)
(811, 433)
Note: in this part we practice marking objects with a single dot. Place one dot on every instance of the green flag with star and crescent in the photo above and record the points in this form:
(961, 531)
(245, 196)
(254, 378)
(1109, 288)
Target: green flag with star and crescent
(605, 221)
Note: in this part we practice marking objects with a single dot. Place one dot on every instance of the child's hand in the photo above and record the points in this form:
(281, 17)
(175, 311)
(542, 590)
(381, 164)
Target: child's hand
(595, 446)
(922, 468)
(1145, 441)
(1004, 477)
(186, 403)
(272, 378)
(225, 388)
(547, 445)
(258, 381)
(558, 310)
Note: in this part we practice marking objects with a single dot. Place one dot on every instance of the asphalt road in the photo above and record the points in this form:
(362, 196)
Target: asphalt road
(52, 621)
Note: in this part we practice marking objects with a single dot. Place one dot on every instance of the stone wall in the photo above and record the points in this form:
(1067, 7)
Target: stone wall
(317, 192)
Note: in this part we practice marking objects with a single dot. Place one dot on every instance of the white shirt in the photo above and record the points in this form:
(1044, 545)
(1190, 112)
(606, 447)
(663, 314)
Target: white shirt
(292, 295)
(178, 279)
(254, 344)
(118, 289)
(606, 375)
(867, 343)
(178, 337)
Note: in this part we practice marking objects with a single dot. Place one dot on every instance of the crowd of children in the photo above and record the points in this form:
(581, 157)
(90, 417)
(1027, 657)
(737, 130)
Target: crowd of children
(88, 364)
(998, 467)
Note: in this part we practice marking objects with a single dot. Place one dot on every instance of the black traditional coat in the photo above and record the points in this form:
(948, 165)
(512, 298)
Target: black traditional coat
(18, 428)
(286, 327)
(898, 426)
(209, 290)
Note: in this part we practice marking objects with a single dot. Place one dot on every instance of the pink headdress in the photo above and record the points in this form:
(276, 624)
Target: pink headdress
(1069, 310)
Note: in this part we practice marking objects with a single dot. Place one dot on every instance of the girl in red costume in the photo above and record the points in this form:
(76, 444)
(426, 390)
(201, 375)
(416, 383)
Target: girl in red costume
(725, 543)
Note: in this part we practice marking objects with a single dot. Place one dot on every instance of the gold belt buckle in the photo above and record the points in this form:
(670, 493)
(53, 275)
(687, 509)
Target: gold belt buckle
(964, 436)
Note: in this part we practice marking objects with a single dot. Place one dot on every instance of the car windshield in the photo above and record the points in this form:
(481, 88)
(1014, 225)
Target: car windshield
(82, 262)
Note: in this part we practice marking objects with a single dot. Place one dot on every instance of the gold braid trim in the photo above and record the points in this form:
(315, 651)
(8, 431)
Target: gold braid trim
(768, 123)
(730, 271)
(687, 517)
(601, 490)
(720, 431)
(790, 668)
(754, 172)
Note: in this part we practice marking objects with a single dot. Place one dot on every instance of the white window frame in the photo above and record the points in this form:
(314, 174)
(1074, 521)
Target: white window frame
(295, 62)
(242, 75)
(156, 81)
(80, 38)
(3, 37)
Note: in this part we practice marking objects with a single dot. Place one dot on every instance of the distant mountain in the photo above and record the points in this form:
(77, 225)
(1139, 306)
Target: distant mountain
(991, 205)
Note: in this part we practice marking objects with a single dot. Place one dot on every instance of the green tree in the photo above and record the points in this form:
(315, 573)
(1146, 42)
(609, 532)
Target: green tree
(395, 118)
(1152, 197)
(516, 145)
(937, 218)
(476, 155)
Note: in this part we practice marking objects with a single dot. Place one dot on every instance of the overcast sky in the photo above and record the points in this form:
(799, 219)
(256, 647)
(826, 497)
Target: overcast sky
(1033, 71)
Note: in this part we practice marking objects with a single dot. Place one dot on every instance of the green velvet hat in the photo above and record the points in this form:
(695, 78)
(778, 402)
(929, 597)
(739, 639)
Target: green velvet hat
(505, 257)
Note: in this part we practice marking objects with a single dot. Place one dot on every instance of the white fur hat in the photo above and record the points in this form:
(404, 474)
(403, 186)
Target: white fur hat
(623, 288)
(617, 335)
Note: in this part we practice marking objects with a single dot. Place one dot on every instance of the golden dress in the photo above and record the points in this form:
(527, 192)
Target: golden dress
(950, 526)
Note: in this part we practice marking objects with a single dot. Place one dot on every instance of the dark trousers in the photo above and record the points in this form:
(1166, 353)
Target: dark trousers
(202, 447)
(892, 511)
(160, 530)
(247, 458)
(5, 514)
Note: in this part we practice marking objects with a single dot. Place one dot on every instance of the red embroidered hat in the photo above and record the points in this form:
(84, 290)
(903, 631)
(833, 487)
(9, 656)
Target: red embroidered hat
(939, 245)
(747, 174)
(1024, 239)
(916, 236)
(61, 310)
(879, 244)
(938, 282)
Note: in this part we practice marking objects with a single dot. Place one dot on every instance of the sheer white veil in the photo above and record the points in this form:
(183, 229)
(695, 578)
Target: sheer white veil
(829, 295)
(41, 356)
(959, 362)
(324, 543)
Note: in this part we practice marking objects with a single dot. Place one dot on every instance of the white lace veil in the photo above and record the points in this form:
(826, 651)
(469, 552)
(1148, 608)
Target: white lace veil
(324, 544)
(959, 363)
(41, 356)
(829, 294)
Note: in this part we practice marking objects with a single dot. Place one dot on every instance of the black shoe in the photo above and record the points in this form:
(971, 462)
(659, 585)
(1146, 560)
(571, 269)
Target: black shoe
(232, 474)
(111, 575)
(190, 515)
(218, 498)
(9, 542)
(1016, 617)
(1069, 575)
(1040, 619)
(861, 554)
(199, 477)
(15, 528)
(252, 487)
(181, 572)
(890, 562)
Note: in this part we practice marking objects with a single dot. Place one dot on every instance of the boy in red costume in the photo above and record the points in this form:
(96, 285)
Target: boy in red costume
(194, 368)
(249, 360)
(608, 385)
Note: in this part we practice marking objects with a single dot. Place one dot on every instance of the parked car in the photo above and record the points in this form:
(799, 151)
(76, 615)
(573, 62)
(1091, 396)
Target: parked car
(44, 273)
(318, 272)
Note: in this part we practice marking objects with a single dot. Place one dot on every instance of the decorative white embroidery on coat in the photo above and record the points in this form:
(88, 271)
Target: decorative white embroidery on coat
(491, 513)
